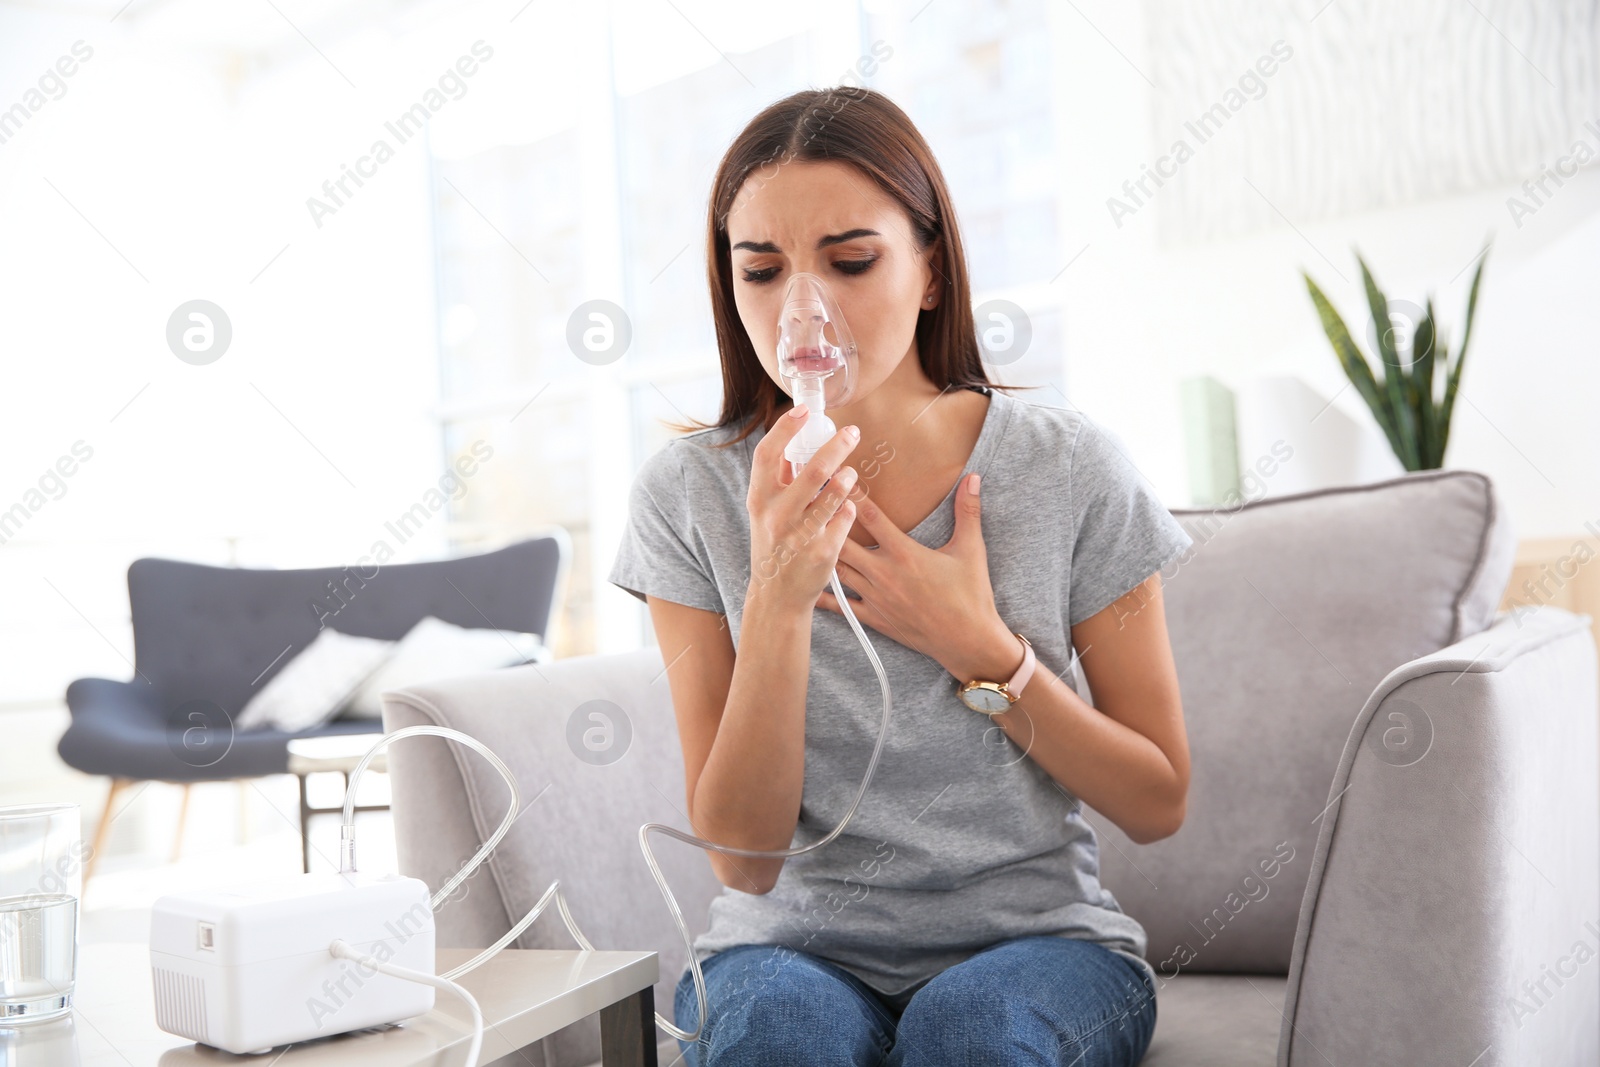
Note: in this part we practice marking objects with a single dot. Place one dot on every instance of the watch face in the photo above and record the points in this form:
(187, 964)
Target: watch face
(988, 701)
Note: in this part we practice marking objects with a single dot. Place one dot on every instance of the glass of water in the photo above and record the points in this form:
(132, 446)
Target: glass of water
(41, 879)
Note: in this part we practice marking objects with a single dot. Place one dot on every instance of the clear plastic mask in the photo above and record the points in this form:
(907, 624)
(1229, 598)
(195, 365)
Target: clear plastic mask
(816, 351)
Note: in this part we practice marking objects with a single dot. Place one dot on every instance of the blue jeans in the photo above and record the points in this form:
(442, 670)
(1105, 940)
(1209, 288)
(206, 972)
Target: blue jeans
(1029, 1000)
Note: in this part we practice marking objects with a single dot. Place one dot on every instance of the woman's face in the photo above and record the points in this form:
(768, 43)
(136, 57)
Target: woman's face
(828, 219)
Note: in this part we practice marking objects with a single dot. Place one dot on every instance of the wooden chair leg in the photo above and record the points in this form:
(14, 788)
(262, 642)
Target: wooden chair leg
(102, 829)
(183, 817)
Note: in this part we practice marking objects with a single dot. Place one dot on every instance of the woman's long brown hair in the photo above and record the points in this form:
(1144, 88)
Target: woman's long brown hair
(864, 128)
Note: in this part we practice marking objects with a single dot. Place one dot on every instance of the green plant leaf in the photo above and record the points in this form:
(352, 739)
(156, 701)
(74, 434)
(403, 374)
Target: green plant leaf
(1411, 394)
(1350, 358)
(1453, 378)
(1378, 306)
(1422, 341)
(1394, 390)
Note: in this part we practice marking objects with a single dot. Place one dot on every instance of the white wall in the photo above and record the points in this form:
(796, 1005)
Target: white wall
(1142, 315)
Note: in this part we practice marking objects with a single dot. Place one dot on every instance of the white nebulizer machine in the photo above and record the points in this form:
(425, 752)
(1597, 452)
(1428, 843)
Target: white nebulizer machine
(269, 963)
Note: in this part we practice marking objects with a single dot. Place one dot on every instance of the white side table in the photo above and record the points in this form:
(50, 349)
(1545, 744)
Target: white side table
(525, 994)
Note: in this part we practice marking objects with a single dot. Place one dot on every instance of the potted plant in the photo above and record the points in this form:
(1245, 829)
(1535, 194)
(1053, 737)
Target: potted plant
(1412, 417)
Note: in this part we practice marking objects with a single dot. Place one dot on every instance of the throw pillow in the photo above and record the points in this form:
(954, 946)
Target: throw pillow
(433, 649)
(311, 687)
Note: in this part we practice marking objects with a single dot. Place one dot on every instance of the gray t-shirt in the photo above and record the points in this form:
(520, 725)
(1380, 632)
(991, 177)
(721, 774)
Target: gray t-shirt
(961, 840)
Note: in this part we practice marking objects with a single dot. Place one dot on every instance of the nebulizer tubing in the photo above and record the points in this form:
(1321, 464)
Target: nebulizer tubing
(866, 779)
(816, 358)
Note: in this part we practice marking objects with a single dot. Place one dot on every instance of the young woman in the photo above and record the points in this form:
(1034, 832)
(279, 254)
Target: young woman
(960, 918)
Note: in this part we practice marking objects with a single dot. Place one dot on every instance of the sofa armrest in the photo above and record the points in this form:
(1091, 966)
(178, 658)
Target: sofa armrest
(1454, 893)
(109, 718)
(91, 697)
(594, 746)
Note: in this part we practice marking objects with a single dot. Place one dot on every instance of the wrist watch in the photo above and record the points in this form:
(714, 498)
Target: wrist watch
(993, 698)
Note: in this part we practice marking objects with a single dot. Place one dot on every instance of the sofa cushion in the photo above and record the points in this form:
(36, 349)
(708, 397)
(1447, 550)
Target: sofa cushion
(1202, 1020)
(1216, 1020)
(315, 683)
(1284, 616)
(434, 648)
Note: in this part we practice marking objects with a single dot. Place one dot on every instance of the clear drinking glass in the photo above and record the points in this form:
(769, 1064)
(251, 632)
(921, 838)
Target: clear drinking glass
(41, 879)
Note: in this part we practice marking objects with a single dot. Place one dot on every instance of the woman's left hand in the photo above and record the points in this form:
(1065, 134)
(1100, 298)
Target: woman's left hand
(937, 601)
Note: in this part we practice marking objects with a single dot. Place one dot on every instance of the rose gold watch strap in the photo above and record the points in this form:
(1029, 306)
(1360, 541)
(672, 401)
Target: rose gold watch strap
(1024, 672)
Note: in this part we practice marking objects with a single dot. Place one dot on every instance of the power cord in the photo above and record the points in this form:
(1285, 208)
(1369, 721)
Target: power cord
(342, 949)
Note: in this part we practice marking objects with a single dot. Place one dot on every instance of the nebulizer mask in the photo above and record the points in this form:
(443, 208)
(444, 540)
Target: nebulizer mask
(816, 361)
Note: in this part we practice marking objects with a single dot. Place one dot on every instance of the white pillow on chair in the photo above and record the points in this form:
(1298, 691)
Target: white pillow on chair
(314, 685)
(433, 649)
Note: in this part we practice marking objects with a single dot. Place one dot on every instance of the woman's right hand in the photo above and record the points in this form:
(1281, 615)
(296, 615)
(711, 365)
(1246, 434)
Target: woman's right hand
(797, 528)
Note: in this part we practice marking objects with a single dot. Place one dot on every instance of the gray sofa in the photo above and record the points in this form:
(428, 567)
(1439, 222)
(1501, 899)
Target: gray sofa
(206, 637)
(1392, 850)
